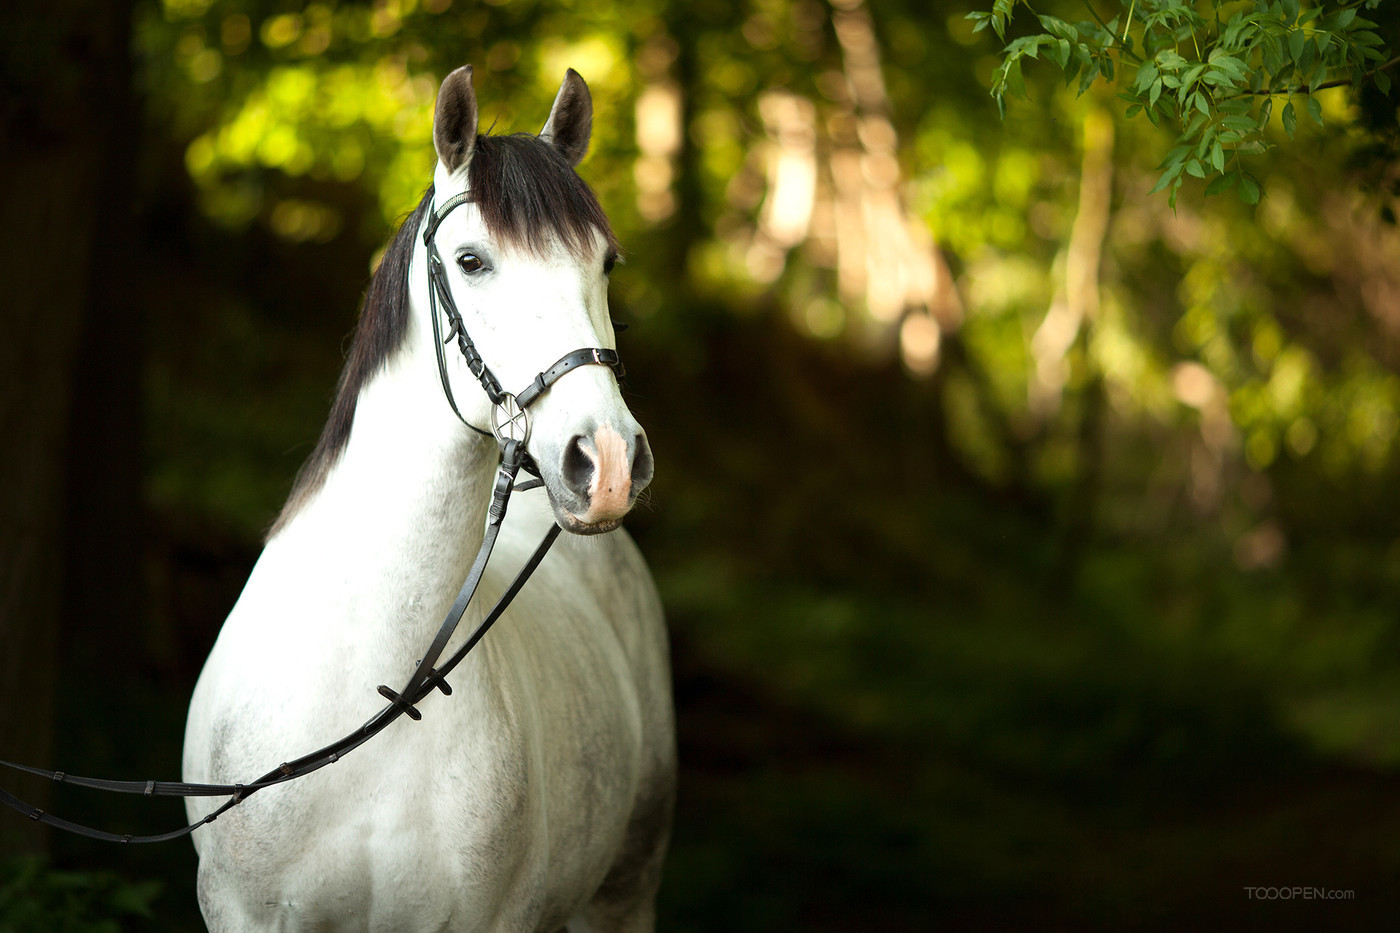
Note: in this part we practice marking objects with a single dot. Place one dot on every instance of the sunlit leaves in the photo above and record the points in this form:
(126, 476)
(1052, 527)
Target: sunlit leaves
(1210, 77)
(275, 101)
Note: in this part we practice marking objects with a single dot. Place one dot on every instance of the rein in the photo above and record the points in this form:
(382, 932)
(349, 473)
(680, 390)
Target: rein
(511, 428)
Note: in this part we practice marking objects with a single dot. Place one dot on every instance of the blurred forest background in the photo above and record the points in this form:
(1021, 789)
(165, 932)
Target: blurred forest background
(1029, 547)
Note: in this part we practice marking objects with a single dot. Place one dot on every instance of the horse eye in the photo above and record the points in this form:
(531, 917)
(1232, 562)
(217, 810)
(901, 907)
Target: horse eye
(470, 263)
(609, 263)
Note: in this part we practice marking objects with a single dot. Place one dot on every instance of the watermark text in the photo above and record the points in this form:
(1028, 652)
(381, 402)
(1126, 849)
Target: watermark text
(1297, 892)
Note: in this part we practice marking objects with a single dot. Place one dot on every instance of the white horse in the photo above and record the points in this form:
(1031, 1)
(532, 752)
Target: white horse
(538, 796)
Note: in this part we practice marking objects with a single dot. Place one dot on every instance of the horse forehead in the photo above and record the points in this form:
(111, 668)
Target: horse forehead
(547, 249)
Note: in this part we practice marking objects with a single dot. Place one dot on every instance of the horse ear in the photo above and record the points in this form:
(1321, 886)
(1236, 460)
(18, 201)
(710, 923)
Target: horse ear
(454, 120)
(570, 120)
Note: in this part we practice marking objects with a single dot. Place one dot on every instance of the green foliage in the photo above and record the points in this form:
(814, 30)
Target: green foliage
(342, 93)
(35, 896)
(1044, 620)
(1212, 78)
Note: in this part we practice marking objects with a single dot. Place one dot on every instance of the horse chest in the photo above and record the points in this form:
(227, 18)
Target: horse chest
(510, 795)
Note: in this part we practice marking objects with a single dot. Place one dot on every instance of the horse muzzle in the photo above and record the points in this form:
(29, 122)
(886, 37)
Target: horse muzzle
(597, 478)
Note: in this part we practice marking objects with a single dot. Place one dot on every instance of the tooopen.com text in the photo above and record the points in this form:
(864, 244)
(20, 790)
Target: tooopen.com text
(1298, 893)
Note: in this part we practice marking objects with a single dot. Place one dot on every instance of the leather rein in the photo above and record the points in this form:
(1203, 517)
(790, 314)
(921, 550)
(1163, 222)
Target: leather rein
(511, 428)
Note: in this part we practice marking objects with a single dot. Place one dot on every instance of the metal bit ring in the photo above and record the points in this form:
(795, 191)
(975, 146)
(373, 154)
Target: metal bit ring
(510, 422)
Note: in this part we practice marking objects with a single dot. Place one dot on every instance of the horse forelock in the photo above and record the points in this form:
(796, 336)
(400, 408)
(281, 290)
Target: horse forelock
(530, 196)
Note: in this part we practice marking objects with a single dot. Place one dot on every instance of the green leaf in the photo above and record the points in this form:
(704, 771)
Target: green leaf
(1217, 78)
(1217, 156)
(1296, 39)
(1146, 75)
(1059, 28)
(1015, 82)
(1175, 156)
(1229, 64)
(1074, 64)
(1201, 104)
(1318, 77)
(1290, 120)
(1026, 45)
(1315, 110)
(1167, 178)
(1383, 83)
(1170, 60)
(1194, 167)
(1309, 56)
(1001, 12)
(1223, 183)
(1090, 73)
(1249, 190)
(1273, 58)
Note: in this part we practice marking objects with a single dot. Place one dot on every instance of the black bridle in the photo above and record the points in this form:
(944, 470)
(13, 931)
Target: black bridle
(508, 410)
(511, 429)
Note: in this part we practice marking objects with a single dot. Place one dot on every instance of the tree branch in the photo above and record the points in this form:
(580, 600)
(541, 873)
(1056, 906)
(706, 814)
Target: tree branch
(1116, 44)
(1336, 82)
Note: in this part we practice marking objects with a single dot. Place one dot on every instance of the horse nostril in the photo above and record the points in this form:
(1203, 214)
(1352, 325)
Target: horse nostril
(642, 465)
(577, 466)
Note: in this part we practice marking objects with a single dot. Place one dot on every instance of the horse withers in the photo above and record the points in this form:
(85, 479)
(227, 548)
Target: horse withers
(538, 795)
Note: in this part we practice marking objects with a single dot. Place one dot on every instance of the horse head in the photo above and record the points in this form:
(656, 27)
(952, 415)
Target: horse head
(524, 252)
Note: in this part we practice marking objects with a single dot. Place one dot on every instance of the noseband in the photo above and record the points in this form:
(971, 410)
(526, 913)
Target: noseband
(511, 427)
(509, 420)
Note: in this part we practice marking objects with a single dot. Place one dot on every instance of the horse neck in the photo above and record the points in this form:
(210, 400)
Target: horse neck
(400, 516)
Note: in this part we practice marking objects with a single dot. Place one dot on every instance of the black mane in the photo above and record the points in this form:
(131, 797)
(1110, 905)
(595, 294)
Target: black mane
(529, 197)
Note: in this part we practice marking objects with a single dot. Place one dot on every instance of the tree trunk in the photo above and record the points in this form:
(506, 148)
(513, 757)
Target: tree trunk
(61, 65)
